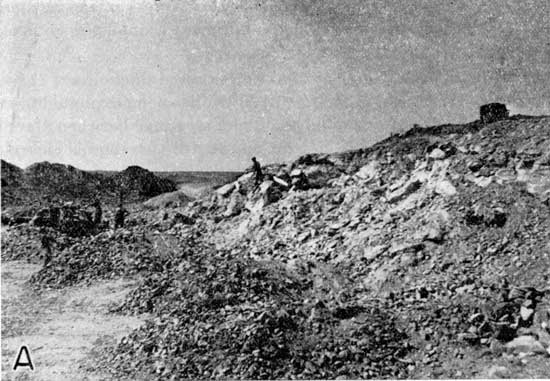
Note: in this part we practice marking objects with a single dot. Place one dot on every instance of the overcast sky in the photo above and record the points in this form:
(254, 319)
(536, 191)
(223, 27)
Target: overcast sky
(205, 85)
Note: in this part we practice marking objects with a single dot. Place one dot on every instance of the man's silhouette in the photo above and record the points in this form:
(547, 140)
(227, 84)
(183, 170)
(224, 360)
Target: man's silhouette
(259, 176)
(98, 212)
(120, 215)
(46, 242)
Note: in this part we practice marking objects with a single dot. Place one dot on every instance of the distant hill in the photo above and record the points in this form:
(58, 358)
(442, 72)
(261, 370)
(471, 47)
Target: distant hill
(53, 182)
(45, 182)
(54, 179)
(139, 183)
(12, 175)
(12, 179)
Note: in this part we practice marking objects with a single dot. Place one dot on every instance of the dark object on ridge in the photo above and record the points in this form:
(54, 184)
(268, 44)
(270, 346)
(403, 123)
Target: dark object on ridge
(493, 112)
(257, 171)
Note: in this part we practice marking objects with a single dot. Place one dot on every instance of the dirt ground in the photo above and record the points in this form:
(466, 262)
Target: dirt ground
(60, 328)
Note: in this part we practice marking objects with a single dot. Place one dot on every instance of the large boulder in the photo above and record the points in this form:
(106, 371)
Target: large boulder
(245, 183)
(235, 206)
(525, 344)
(271, 192)
(226, 189)
(281, 182)
(318, 176)
(404, 190)
(368, 171)
(438, 181)
(298, 179)
(437, 154)
(268, 192)
(445, 188)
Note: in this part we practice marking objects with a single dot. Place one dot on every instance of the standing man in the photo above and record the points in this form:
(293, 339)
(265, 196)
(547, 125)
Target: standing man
(46, 244)
(259, 176)
(98, 213)
(120, 214)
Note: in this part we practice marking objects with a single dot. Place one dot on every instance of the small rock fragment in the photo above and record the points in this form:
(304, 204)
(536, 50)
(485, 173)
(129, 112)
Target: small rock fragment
(497, 371)
(525, 344)
(526, 313)
(437, 154)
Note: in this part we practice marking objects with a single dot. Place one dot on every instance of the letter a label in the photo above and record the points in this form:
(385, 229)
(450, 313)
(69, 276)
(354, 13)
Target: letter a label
(23, 359)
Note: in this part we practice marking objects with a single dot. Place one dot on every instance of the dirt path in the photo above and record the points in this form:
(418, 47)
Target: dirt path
(59, 327)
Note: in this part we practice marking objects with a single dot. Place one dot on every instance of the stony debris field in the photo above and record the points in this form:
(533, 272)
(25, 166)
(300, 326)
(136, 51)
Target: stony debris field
(426, 255)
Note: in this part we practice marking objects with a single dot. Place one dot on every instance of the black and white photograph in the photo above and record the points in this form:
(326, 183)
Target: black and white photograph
(275, 189)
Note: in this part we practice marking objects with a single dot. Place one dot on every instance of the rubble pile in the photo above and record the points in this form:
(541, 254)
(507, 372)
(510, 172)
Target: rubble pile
(434, 222)
(138, 183)
(12, 178)
(19, 216)
(42, 184)
(124, 252)
(20, 242)
(220, 316)
(70, 219)
(47, 181)
(11, 174)
(426, 255)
